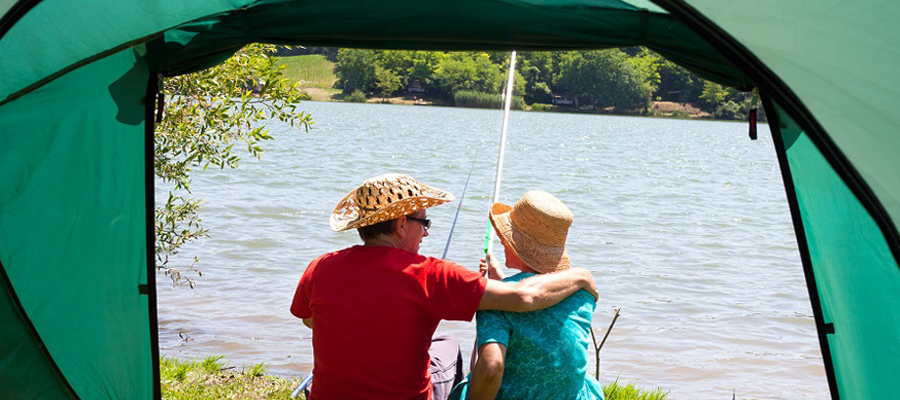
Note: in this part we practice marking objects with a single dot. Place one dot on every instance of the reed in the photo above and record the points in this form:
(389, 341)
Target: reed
(356, 97)
(542, 107)
(467, 98)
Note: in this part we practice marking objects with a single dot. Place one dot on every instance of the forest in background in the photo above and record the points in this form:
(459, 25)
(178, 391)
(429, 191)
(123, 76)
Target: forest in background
(620, 81)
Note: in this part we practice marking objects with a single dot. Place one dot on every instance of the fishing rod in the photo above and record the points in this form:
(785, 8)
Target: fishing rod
(490, 235)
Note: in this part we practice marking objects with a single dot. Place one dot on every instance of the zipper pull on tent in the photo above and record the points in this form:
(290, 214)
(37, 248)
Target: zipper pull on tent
(754, 106)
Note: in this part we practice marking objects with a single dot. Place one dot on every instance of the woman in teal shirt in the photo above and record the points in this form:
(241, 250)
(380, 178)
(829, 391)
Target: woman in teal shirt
(541, 354)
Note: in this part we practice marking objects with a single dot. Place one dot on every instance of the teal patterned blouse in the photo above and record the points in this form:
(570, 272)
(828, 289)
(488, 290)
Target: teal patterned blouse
(546, 350)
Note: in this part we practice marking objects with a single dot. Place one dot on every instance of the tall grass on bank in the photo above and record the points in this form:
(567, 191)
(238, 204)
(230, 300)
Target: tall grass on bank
(615, 391)
(210, 379)
(356, 97)
(312, 70)
(466, 98)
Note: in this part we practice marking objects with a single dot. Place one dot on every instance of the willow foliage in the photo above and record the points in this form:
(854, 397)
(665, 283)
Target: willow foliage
(207, 113)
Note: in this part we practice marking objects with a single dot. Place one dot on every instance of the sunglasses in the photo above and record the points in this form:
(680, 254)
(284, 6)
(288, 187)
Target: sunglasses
(425, 222)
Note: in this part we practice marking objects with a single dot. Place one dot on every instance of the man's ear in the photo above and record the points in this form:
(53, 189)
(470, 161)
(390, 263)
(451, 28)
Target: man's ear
(400, 226)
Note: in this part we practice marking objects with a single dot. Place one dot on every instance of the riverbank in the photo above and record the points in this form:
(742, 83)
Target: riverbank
(667, 109)
(211, 378)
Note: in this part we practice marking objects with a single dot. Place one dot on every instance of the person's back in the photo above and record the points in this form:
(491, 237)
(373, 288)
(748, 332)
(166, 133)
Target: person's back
(375, 309)
(539, 354)
(546, 354)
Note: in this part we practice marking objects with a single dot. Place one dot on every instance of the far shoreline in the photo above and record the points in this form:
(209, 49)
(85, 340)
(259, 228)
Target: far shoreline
(657, 109)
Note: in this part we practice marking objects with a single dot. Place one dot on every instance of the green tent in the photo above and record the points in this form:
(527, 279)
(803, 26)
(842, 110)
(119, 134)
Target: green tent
(78, 82)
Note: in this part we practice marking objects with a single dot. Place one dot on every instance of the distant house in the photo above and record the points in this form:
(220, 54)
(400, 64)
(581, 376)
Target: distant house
(415, 87)
(564, 100)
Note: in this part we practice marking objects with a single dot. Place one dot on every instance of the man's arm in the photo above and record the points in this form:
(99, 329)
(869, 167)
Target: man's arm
(488, 372)
(537, 292)
(308, 322)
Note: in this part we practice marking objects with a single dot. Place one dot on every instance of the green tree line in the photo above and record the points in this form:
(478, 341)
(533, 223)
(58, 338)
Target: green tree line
(624, 81)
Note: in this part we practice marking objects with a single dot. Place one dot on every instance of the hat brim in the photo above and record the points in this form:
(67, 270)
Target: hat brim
(347, 216)
(539, 257)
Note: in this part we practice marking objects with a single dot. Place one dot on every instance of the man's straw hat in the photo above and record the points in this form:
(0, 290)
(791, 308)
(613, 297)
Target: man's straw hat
(535, 228)
(384, 198)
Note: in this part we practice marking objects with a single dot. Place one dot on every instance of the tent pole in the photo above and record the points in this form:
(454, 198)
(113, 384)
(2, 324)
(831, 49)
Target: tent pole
(150, 210)
(822, 327)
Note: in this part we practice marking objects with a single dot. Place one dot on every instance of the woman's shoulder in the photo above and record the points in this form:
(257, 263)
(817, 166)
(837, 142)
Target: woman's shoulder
(519, 277)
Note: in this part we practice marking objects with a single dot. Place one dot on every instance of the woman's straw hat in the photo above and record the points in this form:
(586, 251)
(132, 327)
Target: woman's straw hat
(535, 228)
(384, 198)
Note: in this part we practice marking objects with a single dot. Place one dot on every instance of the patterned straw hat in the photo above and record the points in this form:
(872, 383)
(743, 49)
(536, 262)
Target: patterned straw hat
(535, 228)
(384, 198)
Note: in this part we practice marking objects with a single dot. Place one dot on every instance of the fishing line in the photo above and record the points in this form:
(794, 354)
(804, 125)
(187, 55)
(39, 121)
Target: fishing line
(459, 206)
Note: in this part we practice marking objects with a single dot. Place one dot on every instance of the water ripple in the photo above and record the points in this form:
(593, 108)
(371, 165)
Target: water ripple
(684, 224)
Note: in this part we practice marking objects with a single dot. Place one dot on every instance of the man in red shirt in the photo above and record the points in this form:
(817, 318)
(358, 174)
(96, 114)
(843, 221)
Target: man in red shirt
(373, 308)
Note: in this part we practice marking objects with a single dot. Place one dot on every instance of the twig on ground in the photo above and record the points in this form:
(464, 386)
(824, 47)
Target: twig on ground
(597, 348)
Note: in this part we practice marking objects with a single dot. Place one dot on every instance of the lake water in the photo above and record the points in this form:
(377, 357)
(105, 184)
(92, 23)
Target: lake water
(684, 225)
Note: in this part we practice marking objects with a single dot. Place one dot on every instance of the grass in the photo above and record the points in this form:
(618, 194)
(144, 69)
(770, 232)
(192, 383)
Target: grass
(615, 391)
(310, 70)
(541, 107)
(211, 379)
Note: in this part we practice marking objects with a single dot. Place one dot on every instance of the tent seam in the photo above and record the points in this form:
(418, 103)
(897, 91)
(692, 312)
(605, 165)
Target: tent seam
(71, 67)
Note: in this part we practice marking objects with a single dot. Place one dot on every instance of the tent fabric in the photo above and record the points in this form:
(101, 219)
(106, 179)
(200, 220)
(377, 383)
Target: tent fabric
(56, 34)
(37, 376)
(841, 59)
(857, 277)
(73, 221)
(412, 24)
(573, 24)
(72, 231)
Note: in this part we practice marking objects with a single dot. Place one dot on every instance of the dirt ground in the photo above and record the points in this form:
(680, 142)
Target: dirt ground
(668, 107)
(318, 94)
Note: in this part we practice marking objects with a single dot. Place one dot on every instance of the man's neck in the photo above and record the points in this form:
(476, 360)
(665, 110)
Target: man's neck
(389, 241)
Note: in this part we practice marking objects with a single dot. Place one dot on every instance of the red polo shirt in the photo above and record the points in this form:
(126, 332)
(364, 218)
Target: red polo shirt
(374, 312)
